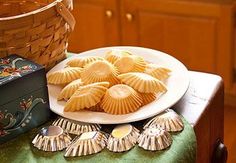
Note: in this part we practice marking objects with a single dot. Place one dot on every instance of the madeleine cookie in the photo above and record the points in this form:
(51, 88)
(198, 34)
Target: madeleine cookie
(121, 99)
(130, 64)
(143, 83)
(99, 71)
(104, 84)
(96, 108)
(116, 54)
(158, 72)
(64, 76)
(81, 62)
(147, 97)
(85, 97)
(69, 90)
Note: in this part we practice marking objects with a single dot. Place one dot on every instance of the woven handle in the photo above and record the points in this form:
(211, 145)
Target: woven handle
(66, 14)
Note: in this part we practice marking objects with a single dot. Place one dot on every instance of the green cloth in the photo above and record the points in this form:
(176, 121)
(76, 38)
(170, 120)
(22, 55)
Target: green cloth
(182, 150)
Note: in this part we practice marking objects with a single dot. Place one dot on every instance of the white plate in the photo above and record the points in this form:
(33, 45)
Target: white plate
(177, 85)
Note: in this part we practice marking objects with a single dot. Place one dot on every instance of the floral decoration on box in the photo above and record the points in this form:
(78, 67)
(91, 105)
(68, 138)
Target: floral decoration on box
(13, 121)
(11, 68)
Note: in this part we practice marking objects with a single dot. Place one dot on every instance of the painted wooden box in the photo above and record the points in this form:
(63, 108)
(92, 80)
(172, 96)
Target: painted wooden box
(23, 96)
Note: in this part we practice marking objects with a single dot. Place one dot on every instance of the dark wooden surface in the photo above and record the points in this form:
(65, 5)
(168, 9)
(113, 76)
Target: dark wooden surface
(230, 132)
(203, 107)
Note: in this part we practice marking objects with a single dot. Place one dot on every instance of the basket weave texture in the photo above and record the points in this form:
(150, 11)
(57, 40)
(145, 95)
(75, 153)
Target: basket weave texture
(36, 29)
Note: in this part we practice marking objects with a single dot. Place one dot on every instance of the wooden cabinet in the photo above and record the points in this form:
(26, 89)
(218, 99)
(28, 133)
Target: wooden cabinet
(198, 33)
(195, 33)
(97, 24)
(187, 37)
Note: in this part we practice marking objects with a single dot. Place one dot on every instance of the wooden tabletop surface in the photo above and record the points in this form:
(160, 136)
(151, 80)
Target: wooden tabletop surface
(203, 107)
(202, 90)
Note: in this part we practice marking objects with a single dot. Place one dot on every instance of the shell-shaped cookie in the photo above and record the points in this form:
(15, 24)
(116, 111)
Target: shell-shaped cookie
(130, 64)
(69, 90)
(147, 97)
(96, 108)
(104, 84)
(64, 76)
(99, 71)
(142, 82)
(85, 97)
(121, 99)
(158, 72)
(116, 54)
(81, 62)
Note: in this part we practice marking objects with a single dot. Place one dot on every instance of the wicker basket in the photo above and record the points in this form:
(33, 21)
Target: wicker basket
(36, 29)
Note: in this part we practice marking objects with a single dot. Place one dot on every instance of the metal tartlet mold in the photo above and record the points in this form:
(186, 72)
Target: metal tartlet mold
(154, 138)
(75, 127)
(123, 138)
(86, 144)
(51, 139)
(168, 120)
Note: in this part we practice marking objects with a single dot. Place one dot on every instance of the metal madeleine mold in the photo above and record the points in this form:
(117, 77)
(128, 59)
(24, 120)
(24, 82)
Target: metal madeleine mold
(168, 120)
(75, 127)
(51, 138)
(154, 138)
(122, 138)
(86, 144)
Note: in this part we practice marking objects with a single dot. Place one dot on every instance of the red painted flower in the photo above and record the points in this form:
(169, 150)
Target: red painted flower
(26, 67)
(5, 61)
(26, 104)
(2, 133)
(11, 70)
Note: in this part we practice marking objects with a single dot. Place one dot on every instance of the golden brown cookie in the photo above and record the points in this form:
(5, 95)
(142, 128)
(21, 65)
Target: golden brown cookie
(147, 97)
(70, 89)
(130, 64)
(121, 99)
(83, 61)
(64, 76)
(85, 97)
(116, 54)
(96, 108)
(104, 84)
(158, 72)
(99, 71)
(142, 82)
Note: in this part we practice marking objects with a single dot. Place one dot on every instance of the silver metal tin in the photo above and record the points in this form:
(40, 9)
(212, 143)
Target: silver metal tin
(86, 144)
(122, 138)
(154, 138)
(168, 120)
(51, 138)
(75, 127)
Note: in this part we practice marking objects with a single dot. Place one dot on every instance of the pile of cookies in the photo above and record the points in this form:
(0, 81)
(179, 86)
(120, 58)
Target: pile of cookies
(118, 83)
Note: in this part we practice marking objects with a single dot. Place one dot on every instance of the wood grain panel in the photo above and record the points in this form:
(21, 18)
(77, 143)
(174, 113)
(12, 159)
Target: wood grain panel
(198, 33)
(190, 39)
(94, 28)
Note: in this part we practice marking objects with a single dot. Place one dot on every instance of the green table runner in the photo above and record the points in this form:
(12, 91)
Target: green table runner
(182, 150)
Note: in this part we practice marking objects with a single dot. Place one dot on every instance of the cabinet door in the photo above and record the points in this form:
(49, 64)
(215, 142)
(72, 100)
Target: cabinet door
(96, 24)
(194, 33)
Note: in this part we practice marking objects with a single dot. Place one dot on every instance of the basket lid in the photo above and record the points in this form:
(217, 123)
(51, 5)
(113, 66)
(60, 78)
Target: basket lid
(18, 77)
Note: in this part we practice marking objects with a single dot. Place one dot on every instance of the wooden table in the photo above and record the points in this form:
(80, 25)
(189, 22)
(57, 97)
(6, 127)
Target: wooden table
(203, 107)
